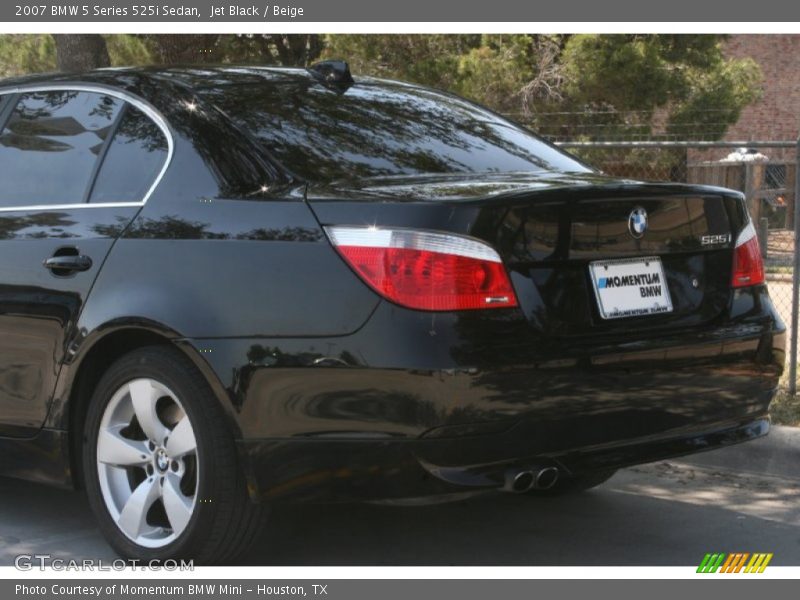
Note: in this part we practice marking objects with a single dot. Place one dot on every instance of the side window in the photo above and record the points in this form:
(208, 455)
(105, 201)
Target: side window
(51, 144)
(134, 159)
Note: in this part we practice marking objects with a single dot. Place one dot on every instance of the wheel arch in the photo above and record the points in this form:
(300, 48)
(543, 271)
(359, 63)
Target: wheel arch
(79, 378)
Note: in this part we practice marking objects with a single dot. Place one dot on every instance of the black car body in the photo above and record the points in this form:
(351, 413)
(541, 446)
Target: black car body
(206, 225)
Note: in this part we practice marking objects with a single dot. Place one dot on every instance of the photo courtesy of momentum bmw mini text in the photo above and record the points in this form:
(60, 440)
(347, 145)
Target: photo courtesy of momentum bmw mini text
(357, 300)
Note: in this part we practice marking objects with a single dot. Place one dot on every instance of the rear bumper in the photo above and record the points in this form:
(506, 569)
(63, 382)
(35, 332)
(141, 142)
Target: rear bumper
(413, 404)
(404, 470)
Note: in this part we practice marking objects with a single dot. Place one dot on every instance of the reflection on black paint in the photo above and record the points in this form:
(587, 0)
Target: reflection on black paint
(37, 226)
(59, 306)
(59, 133)
(172, 227)
(234, 161)
(134, 159)
(35, 323)
(382, 130)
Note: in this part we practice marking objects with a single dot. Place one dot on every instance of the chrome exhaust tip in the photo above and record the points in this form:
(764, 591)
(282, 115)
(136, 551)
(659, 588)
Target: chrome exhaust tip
(546, 478)
(519, 482)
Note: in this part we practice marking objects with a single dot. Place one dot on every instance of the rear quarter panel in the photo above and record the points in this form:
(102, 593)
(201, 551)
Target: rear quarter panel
(229, 268)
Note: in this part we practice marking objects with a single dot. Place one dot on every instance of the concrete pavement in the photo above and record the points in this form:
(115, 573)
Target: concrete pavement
(744, 498)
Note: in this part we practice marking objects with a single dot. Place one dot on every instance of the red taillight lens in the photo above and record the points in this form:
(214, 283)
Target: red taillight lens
(748, 266)
(426, 270)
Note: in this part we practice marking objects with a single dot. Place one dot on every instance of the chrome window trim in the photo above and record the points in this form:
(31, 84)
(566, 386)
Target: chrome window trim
(142, 105)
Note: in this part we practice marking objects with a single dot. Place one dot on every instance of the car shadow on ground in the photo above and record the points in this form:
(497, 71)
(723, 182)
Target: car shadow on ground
(657, 515)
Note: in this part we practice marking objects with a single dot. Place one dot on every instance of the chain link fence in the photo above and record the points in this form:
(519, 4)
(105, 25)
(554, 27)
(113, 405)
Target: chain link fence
(765, 171)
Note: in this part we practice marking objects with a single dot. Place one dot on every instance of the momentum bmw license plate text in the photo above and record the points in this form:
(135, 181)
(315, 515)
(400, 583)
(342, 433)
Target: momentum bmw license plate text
(630, 287)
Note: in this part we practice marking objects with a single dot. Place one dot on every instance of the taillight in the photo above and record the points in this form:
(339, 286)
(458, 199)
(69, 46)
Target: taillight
(426, 270)
(748, 267)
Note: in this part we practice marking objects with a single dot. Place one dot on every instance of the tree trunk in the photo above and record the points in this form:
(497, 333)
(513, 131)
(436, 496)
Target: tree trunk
(182, 48)
(296, 50)
(81, 52)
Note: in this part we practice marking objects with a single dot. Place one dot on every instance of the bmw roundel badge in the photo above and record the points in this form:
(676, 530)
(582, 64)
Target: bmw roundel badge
(637, 222)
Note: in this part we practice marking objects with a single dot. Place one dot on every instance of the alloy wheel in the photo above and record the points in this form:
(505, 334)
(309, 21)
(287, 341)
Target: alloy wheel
(147, 463)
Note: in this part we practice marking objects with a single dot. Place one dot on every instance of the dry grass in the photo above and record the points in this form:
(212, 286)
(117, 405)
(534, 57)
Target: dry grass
(785, 409)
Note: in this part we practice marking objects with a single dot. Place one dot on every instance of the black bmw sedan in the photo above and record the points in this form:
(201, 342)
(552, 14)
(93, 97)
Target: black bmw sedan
(222, 288)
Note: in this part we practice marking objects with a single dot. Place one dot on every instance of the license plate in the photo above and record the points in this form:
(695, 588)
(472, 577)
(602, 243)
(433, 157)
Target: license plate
(630, 287)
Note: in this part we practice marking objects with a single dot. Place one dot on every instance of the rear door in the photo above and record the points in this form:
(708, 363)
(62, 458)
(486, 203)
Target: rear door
(75, 166)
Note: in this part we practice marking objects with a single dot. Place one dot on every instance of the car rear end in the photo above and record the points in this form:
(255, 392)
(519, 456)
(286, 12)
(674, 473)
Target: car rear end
(551, 318)
(489, 353)
(554, 371)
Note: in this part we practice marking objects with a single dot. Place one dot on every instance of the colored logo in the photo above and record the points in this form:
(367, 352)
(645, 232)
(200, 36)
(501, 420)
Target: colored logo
(637, 222)
(738, 562)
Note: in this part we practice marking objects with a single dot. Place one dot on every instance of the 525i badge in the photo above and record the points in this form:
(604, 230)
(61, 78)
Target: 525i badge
(712, 240)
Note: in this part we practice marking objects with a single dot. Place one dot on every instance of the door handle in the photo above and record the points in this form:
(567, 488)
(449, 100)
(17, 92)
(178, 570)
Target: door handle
(65, 264)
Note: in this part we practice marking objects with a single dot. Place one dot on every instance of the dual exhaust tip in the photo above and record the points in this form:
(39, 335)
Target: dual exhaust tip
(519, 481)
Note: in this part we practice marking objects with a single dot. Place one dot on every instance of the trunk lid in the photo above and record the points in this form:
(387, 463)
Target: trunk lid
(557, 251)
(551, 229)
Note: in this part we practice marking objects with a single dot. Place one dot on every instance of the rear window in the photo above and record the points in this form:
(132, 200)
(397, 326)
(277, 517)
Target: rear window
(374, 130)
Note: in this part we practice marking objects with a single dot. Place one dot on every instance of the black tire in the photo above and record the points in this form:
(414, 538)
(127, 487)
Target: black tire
(224, 522)
(575, 484)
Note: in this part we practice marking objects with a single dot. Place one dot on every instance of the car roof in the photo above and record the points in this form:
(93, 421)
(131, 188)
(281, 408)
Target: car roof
(188, 77)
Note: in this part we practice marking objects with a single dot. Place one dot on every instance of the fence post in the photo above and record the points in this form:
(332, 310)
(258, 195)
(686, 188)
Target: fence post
(791, 195)
(763, 235)
(795, 278)
(753, 182)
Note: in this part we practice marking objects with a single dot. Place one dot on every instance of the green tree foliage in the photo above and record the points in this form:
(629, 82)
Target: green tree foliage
(716, 99)
(633, 83)
(128, 50)
(512, 72)
(289, 50)
(505, 72)
(21, 54)
(575, 86)
(427, 59)
(293, 50)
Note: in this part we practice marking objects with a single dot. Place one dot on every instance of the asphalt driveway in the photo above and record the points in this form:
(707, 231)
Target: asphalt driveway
(745, 498)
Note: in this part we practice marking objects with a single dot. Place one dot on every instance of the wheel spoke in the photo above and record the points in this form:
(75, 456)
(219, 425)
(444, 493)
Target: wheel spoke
(113, 449)
(181, 441)
(166, 455)
(177, 506)
(144, 397)
(133, 518)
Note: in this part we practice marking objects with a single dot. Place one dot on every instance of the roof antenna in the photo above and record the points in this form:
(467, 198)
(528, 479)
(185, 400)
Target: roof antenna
(334, 74)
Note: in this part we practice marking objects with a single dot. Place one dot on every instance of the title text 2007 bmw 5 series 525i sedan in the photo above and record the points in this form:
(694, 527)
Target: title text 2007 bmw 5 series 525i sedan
(222, 288)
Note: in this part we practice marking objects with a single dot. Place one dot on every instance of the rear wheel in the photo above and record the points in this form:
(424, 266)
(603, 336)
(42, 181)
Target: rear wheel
(160, 465)
(575, 484)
